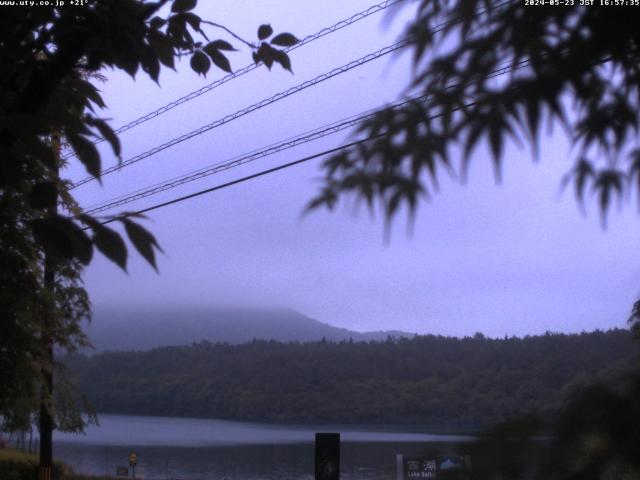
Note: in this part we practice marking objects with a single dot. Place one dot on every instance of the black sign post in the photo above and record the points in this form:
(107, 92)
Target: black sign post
(327, 456)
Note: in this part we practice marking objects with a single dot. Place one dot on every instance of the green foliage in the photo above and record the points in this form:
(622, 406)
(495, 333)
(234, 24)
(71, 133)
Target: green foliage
(269, 55)
(593, 437)
(46, 63)
(142, 240)
(597, 435)
(634, 318)
(213, 49)
(48, 59)
(264, 31)
(16, 465)
(566, 66)
(284, 40)
(437, 381)
(33, 314)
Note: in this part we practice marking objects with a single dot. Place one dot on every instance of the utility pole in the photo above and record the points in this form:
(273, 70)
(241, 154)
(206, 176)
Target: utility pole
(46, 395)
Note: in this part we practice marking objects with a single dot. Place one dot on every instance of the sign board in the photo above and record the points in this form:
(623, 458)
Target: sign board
(327, 456)
(122, 471)
(428, 467)
(133, 459)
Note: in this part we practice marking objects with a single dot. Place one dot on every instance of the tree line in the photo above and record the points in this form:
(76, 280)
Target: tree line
(430, 380)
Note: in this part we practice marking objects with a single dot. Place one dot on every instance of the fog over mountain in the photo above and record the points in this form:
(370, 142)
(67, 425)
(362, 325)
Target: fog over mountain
(143, 328)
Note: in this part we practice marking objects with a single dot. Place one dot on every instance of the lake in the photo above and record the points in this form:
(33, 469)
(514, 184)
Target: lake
(204, 449)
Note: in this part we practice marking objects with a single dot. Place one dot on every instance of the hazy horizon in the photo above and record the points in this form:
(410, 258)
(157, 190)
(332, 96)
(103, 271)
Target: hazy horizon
(133, 309)
(512, 259)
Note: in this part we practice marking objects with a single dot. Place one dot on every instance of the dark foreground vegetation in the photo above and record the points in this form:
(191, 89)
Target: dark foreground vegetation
(436, 381)
(15, 465)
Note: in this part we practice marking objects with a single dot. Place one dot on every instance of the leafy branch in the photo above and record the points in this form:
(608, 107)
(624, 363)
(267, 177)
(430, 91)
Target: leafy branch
(559, 66)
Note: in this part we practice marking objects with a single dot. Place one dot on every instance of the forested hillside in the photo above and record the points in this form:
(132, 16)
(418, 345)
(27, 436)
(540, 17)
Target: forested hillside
(427, 380)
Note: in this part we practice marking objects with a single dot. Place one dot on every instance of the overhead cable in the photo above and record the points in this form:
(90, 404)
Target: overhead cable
(248, 68)
(247, 110)
(266, 151)
(259, 174)
(277, 97)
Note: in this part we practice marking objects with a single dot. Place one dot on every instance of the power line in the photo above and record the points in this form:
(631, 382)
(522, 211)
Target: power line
(259, 105)
(495, 73)
(241, 180)
(289, 164)
(250, 109)
(235, 162)
(248, 68)
(262, 173)
(277, 97)
(268, 101)
(312, 135)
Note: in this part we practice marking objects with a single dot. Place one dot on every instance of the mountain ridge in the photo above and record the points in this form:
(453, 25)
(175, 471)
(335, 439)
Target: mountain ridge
(145, 327)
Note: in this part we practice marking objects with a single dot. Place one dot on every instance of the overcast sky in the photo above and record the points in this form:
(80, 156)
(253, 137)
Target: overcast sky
(513, 259)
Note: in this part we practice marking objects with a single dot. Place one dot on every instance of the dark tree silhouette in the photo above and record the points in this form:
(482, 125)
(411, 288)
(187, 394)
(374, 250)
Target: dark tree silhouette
(576, 66)
(48, 58)
(564, 63)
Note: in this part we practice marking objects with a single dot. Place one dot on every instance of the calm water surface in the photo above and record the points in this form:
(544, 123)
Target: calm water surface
(200, 449)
